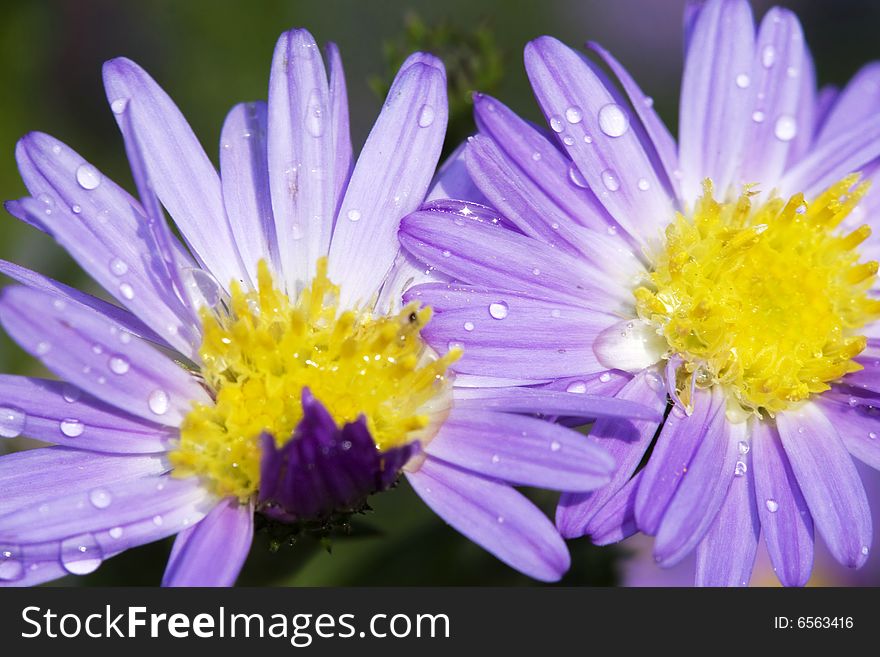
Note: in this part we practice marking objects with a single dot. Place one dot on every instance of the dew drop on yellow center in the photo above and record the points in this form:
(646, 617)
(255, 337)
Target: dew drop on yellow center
(766, 300)
(263, 348)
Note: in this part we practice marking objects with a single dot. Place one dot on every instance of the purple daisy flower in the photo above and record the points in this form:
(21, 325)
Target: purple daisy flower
(266, 366)
(726, 279)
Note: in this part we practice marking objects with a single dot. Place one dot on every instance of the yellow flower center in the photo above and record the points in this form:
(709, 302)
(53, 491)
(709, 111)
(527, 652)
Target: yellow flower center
(260, 351)
(766, 301)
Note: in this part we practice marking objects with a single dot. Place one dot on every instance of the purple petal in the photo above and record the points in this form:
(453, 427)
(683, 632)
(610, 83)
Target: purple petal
(829, 482)
(64, 292)
(857, 425)
(103, 229)
(626, 441)
(857, 102)
(302, 162)
(99, 357)
(776, 89)
(726, 555)
(81, 529)
(785, 518)
(481, 252)
(390, 179)
(714, 108)
(244, 177)
(670, 461)
(323, 469)
(212, 552)
(454, 181)
(658, 134)
(551, 187)
(521, 450)
(703, 488)
(34, 476)
(607, 149)
(494, 516)
(339, 121)
(60, 413)
(552, 402)
(183, 176)
(617, 519)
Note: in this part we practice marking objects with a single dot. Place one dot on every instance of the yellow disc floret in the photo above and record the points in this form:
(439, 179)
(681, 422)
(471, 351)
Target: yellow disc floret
(766, 301)
(264, 348)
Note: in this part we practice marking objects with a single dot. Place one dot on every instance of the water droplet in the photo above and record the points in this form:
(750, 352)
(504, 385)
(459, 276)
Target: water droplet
(568, 140)
(536, 272)
(70, 393)
(468, 326)
(81, 555)
(119, 365)
(574, 115)
(758, 116)
(426, 116)
(203, 287)
(115, 533)
(556, 124)
(315, 115)
(495, 458)
(609, 179)
(71, 428)
(446, 253)
(740, 469)
(872, 435)
(118, 266)
(500, 520)
(555, 446)
(743, 447)
(576, 387)
(100, 498)
(556, 313)
(88, 176)
(118, 106)
(536, 156)
(12, 422)
(452, 344)
(353, 215)
(786, 128)
(158, 402)
(643, 184)
(742, 81)
(499, 309)
(605, 377)
(158, 520)
(576, 177)
(772, 505)
(75, 209)
(11, 566)
(654, 382)
(126, 291)
(588, 139)
(613, 120)
(43, 348)
(768, 56)
(865, 550)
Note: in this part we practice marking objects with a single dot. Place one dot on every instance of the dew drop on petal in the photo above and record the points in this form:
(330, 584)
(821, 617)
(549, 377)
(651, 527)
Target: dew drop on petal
(613, 120)
(768, 56)
(742, 81)
(740, 469)
(536, 156)
(576, 177)
(118, 266)
(785, 128)
(126, 291)
(119, 365)
(158, 520)
(574, 115)
(872, 435)
(118, 106)
(555, 446)
(158, 402)
(496, 458)
(11, 566)
(81, 555)
(100, 498)
(71, 427)
(468, 326)
(556, 124)
(643, 184)
(743, 447)
(576, 387)
(426, 116)
(446, 253)
(772, 505)
(568, 140)
(115, 533)
(609, 179)
(88, 176)
(353, 215)
(499, 309)
(758, 116)
(314, 114)
(70, 393)
(12, 422)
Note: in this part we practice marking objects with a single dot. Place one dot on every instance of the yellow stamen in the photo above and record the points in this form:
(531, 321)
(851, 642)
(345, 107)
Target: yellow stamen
(258, 356)
(766, 301)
